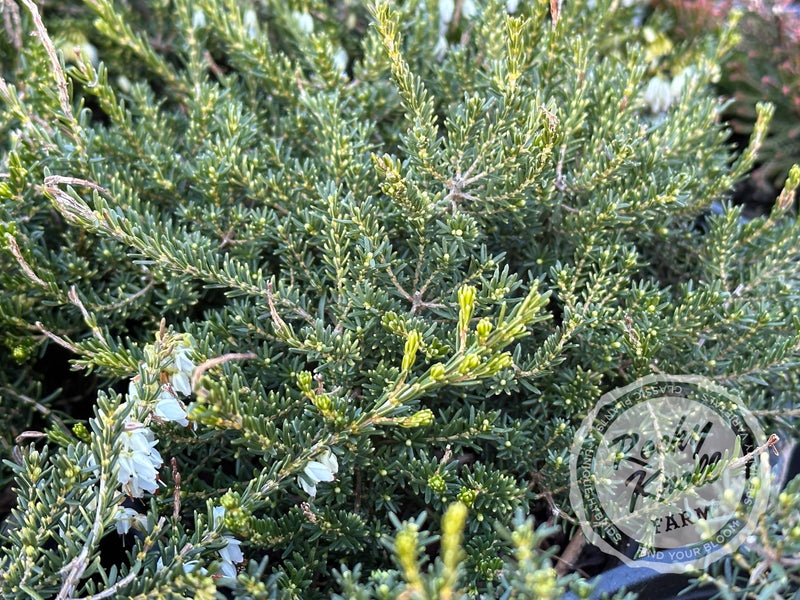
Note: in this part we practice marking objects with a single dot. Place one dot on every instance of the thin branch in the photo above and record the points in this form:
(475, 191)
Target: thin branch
(75, 300)
(52, 180)
(63, 89)
(176, 494)
(74, 570)
(783, 412)
(397, 285)
(417, 303)
(213, 362)
(26, 268)
(113, 589)
(61, 180)
(768, 445)
(58, 340)
(132, 298)
(29, 435)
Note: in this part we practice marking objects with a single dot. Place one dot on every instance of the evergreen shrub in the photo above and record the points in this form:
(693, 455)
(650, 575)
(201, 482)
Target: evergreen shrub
(337, 282)
(764, 67)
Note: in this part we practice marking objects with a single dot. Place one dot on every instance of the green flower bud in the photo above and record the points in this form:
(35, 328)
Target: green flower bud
(483, 329)
(230, 500)
(421, 418)
(467, 496)
(468, 363)
(304, 380)
(393, 323)
(410, 350)
(323, 402)
(80, 431)
(8, 227)
(438, 372)
(437, 483)
(500, 362)
(466, 304)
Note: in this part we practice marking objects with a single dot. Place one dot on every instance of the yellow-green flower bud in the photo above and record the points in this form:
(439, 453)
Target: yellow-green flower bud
(786, 198)
(410, 350)
(9, 228)
(466, 304)
(304, 381)
(500, 362)
(421, 418)
(437, 483)
(230, 500)
(438, 372)
(80, 431)
(323, 402)
(542, 583)
(392, 322)
(467, 496)
(468, 363)
(407, 549)
(452, 528)
(483, 329)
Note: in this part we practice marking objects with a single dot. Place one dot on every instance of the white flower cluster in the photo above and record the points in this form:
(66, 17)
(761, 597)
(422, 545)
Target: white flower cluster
(318, 470)
(231, 553)
(661, 93)
(139, 461)
(169, 406)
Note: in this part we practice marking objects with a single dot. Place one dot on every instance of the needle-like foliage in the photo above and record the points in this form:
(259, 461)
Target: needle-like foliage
(324, 270)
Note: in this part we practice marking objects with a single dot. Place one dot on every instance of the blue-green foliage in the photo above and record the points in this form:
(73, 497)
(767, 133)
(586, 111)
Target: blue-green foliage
(427, 245)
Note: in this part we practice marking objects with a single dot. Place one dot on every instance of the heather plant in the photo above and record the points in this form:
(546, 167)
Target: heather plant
(763, 67)
(338, 282)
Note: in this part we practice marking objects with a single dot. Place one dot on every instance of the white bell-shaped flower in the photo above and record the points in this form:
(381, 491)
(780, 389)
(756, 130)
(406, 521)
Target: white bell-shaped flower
(658, 95)
(169, 407)
(139, 461)
(182, 368)
(127, 517)
(661, 93)
(231, 553)
(304, 21)
(318, 470)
